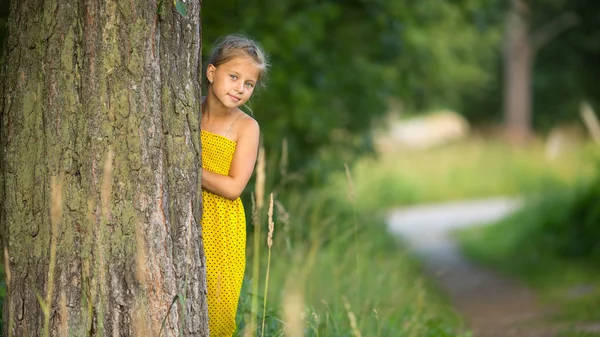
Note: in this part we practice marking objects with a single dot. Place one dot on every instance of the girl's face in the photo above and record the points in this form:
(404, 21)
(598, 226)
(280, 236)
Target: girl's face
(233, 82)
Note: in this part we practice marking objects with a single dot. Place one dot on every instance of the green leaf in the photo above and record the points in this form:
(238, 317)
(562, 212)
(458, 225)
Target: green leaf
(181, 8)
(159, 8)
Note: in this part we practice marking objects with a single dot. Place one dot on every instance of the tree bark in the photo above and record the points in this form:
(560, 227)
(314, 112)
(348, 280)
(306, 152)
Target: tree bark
(100, 193)
(518, 57)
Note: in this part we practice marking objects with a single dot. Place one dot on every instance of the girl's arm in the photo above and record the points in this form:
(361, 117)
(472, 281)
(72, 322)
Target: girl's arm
(242, 164)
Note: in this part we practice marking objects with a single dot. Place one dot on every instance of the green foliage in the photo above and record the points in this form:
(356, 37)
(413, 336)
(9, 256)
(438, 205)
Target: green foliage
(565, 67)
(180, 7)
(335, 65)
(568, 221)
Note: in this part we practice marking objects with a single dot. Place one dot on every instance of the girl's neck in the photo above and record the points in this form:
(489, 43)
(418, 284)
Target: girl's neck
(211, 107)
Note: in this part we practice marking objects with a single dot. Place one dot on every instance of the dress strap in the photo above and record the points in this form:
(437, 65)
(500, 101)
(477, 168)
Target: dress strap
(231, 126)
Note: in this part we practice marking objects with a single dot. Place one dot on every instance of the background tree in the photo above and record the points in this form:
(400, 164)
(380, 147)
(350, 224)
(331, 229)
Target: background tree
(521, 46)
(100, 198)
(567, 66)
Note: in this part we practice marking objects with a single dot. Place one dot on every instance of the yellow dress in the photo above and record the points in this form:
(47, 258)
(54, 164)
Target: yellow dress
(224, 232)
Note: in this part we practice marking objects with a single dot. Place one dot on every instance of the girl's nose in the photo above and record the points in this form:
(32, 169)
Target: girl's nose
(239, 87)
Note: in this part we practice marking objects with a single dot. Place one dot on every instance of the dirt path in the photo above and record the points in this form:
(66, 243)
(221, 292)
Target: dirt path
(492, 305)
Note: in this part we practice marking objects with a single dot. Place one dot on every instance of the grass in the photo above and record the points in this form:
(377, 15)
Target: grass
(390, 297)
(333, 260)
(334, 271)
(479, 168)
(474, 168)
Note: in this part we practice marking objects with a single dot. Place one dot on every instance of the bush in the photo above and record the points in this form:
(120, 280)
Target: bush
(569, 219)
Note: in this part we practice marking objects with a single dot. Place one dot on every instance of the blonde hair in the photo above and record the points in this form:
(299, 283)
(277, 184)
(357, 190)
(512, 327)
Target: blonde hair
(235, 45)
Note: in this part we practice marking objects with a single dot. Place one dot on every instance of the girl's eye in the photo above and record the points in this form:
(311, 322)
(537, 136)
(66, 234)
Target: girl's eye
(249, 85)
(233, 77)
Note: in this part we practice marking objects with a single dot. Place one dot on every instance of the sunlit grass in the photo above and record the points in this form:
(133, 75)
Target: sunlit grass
(395, 298)
(336, 272)
(473, 168)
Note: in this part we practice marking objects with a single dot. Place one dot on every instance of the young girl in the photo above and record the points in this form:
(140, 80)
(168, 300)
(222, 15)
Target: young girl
(229, 150)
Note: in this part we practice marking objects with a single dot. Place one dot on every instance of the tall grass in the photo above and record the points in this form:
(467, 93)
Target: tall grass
(316, 275)
(269, 245)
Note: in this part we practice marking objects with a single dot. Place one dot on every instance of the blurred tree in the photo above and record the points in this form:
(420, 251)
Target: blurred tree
(567, 68)
(101, 244)
(522, 44)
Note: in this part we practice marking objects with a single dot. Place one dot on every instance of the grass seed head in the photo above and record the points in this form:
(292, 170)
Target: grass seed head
(271, 223)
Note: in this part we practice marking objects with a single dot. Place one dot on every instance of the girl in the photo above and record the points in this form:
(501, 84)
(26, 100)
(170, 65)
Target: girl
(229, 150)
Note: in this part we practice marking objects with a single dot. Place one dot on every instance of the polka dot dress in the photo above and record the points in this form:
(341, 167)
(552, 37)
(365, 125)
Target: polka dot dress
(224, 230)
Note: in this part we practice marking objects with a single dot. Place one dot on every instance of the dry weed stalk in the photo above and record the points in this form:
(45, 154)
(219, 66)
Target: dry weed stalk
(260, 179)
(327, 315)
(64, 315)
(591, 121)
(351, 194)
(141, 256)
(316, 316)
(271, 223)
(351, 317)
(352, 197)
(269, 244)
(284, 157)
(105, 204)
(293, 308)
(376, 314)
(249, 331)
(56, 204)
(257, 219)
(86, 264)
(8, 277)
(284, 218)
(413, 325)
(140, 326)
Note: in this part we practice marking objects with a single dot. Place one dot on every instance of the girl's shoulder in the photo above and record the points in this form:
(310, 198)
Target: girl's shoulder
(246, 126)
(246, 121)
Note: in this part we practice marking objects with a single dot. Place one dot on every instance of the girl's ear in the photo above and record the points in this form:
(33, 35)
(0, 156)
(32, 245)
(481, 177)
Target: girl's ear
(210, 73)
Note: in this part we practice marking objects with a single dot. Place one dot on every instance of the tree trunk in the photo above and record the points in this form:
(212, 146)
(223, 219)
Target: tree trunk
(100, 194)
(517, 73)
